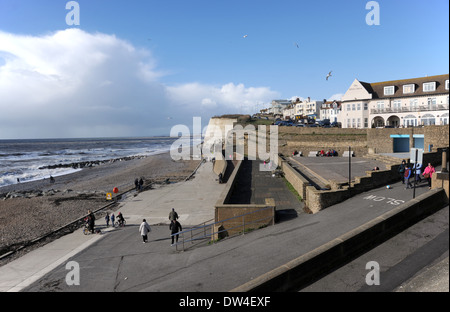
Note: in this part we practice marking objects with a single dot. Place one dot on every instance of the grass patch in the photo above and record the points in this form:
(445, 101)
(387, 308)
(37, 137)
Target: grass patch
(292, 189)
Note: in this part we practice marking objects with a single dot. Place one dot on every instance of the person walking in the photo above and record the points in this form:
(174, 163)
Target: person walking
(428, 173)
(107, 218)
(136, 184)
(175, 227)
(417, 171)
(144, 229)
(407, 175)
(173, 215)
(91, 221)
(401, 171)
(141, 184)
(112, 219)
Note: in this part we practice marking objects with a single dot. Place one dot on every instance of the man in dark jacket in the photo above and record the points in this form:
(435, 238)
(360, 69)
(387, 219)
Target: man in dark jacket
(401, 171)
(91, 221)
(175, 227)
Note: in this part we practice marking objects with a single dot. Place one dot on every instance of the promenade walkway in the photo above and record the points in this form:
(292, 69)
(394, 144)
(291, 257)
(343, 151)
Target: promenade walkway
(119, 261)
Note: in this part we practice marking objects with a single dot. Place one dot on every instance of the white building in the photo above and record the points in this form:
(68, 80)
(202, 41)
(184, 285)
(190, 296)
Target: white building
(330, 110)
(278, 106)
(399, 103)
(308, 108)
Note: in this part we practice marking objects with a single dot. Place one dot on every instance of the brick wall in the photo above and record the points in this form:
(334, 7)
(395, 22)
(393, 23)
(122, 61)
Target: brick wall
(381, 142)
(362, 141)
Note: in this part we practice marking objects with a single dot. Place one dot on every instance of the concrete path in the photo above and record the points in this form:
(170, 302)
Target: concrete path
(194, 201)
(118, 260)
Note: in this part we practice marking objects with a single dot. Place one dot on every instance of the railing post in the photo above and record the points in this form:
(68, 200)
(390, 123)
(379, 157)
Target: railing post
(183, 241)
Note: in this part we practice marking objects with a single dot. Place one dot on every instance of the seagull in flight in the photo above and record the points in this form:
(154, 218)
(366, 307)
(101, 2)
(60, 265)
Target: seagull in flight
(329, 74)
(296, 44)
(245, 36)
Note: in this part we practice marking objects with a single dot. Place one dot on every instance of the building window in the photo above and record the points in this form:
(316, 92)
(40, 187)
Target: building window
(380, 105)
(353, 107)
(446, 84)
(428, 120)
(444, 119)
(389, 90)
(348, 107)
(366, 106)
(366, 122)
(429, 86)
(410, 121)
(431, 102)
(409, 88)
(397, 105)
(359, 122)
(359, 106)
(353, 123)
(413, 104)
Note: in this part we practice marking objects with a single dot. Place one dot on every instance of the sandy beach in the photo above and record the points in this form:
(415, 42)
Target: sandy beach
(24, 219)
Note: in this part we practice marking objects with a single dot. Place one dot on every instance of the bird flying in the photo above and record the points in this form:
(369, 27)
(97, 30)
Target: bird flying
(329, 74)
(245, 36)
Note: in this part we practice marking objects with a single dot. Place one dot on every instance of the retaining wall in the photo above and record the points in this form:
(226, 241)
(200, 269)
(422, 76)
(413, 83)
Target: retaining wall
(256, 216)
(316, 200)
(303, 270)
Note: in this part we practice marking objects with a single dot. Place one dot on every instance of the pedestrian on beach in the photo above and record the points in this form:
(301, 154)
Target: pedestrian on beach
(175, 227)
(417, 171)
(107, 219)
(401, 171)
(428, 173)
(136, 184)
(407, 176)
(141, 184)
(112, 219)
(144, 229)
(173, 215)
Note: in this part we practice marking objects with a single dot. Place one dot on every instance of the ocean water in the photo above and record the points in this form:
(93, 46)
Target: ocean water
(21, 159)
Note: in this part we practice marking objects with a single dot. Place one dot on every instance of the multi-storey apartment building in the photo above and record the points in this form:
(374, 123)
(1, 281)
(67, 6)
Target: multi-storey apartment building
(278, 106)
(330, 110)
(399, 103)
(308, 109)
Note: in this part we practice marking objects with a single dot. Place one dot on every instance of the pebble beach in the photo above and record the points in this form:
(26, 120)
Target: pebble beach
(43, 206)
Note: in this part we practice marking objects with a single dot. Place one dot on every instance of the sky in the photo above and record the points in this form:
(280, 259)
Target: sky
(140, 67)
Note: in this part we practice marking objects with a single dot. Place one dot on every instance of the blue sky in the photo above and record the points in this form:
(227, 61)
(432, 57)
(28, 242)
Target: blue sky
(195, 52)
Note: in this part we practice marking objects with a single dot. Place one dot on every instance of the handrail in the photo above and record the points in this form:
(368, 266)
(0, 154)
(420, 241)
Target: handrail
(205, 236)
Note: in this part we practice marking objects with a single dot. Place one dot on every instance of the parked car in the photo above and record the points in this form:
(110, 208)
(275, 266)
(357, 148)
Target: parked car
(336, 124)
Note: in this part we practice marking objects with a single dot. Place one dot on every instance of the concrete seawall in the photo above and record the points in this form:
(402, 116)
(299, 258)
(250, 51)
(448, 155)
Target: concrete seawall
(301, 271)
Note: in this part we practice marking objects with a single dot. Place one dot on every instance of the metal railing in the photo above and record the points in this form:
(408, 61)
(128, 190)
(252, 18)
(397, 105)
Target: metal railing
(199, 233)
(434, 107)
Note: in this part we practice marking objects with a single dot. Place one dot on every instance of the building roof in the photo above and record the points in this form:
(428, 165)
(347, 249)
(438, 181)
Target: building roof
(377, 88)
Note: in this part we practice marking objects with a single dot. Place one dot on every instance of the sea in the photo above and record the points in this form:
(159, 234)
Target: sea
(21, 160)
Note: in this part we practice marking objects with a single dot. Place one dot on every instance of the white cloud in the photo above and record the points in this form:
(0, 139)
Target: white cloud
(337, 97)
(72, 83)
(227, 99)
